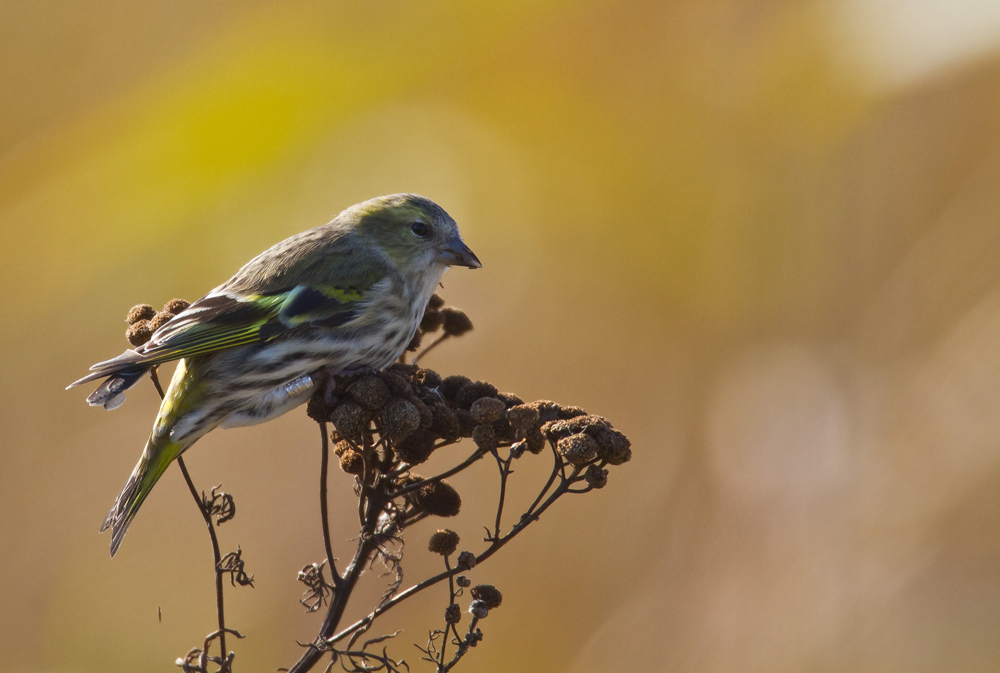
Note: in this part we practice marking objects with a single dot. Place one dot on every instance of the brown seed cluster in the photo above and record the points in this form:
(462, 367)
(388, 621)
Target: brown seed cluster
(395, 419)
(488, 594)
(143, 320)
(578, 449)
(612, 446)
(438, 498)
(450, 320)
(466, 561)
(443, 542)
(415, 411)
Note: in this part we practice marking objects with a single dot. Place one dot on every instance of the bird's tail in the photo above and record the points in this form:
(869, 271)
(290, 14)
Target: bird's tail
(120, 374)
(111, 393)
(156, 457)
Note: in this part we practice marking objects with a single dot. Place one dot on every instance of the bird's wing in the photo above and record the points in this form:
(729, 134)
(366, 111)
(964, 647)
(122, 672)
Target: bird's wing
(225, 319)
(328, 295)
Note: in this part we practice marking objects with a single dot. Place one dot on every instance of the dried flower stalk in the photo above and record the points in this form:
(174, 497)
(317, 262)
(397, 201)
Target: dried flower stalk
(386, 424)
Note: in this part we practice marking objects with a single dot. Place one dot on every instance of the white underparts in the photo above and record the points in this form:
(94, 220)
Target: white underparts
(272, 404)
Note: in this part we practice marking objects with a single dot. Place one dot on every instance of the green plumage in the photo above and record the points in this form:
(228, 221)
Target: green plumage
(346, 295)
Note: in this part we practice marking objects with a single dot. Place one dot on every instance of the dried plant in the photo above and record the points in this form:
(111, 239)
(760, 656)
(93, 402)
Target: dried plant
(385, 424)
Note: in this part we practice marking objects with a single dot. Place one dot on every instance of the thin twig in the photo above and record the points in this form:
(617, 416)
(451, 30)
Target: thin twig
(156, 381)
(463, 647)
(324, 508)
(207, 516)
(220, 604)
(451, 601)
(504, 467)
(494, 547)
(430, 346)
(406, 490)
(556, 467)
(367, 544)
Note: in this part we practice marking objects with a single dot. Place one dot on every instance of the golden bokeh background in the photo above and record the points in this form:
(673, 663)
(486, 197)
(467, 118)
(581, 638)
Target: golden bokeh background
(761, 237)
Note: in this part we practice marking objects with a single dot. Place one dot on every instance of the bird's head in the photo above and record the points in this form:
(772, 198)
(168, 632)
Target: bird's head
(413, 231)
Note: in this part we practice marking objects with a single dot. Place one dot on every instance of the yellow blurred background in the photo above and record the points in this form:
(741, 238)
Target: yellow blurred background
(761, 237)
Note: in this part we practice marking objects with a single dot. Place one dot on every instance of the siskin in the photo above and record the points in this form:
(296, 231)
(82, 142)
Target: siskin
(341, 297)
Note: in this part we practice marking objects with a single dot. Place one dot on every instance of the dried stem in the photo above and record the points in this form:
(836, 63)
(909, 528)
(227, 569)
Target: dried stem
(406, 490)
(324, 508)
(463, 646)
(220, 603)
(504, 467)
(412, 412)
(430, 347)
(156, 381)
(207, 516)
(370, 508)
(495, 545)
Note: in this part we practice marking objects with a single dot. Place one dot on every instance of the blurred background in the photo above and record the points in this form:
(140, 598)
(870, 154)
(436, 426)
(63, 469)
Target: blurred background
(760, 236)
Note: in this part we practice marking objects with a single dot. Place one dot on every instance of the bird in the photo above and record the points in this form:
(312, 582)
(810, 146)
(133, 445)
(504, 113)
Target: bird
(344, 297)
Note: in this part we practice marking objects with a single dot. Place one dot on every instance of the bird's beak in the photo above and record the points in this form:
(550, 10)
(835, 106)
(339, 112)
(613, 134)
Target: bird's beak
(454, 252)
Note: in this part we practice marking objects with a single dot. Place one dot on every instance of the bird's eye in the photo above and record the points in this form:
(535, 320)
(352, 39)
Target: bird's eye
(420, 229)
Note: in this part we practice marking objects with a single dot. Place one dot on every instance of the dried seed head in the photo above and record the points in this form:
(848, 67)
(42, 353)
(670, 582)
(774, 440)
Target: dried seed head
(613, 446)
(535, 440)
(504, 430)
(591, 425)
(350, 418)
(138, 333)
(522, 416)
(320, 408)
(463, 581)
(451, 385)
(571, 412)
(427, 377)
(518, 448)
(403, 369)
(398, 384)
(485, 437)
(435, 302)
(510, 399)
(547, 410)
(479, 610)
(438, 498)
(487, 593)
(159, 320)
(577, 449)
(445, 423)
(466, 561)
(414, 342)
(453, 614)
(597, 477)
(342, 446)
(431, 322)
(466, 422)
(351, 462)
(455, 322)
(140, 312)
(443, 542)
(370, 392)
(487, 409)
(175, 306)
(471, 392)
(426, 416)
(399, 418)
(415, 448)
